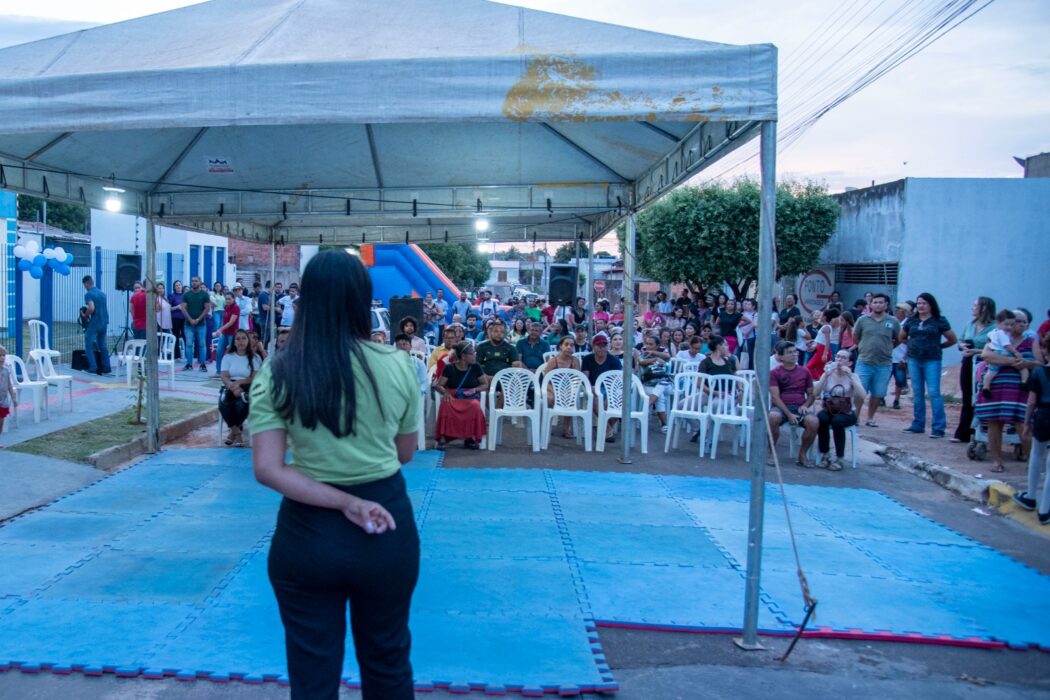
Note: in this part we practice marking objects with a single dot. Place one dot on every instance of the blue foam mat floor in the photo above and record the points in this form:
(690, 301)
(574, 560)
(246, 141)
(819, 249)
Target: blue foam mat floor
(162, 567)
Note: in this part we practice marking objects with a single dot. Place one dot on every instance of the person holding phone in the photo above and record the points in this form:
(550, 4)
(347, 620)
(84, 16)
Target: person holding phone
(842, 394)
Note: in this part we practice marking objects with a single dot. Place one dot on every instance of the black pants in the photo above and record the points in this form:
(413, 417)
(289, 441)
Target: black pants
(965, 429)
(178, 329)
(233, 409)
(834, 425)
(319, 560)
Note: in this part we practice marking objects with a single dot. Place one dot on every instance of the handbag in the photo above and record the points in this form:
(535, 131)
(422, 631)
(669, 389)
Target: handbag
(458, 393)
(838, 403)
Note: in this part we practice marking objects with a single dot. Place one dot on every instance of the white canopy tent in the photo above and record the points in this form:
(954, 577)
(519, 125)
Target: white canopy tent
(350, 121)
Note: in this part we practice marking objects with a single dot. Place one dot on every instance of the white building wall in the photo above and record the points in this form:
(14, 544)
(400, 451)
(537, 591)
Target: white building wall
(977, 237)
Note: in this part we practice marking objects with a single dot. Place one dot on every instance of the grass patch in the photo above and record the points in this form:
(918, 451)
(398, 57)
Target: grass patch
(76, 443)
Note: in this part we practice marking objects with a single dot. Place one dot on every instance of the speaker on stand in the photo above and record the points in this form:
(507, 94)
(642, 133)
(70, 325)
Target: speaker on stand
(129, 271)
(561, 287)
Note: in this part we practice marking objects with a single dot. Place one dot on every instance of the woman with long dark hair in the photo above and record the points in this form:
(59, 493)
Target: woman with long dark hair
(974, 337)
(178, 319)
(348, 408)
(927, 333)
(238, 371)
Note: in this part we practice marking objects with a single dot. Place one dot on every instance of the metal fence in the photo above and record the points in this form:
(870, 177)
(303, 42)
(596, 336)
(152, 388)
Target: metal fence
(62, 296)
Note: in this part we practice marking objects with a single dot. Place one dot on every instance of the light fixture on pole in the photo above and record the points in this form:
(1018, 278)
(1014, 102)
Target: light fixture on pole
(113, 202)
(481, 225)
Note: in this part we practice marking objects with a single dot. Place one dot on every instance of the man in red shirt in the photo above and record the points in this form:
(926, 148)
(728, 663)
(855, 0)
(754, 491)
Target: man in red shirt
(791, 393)
(138, 312)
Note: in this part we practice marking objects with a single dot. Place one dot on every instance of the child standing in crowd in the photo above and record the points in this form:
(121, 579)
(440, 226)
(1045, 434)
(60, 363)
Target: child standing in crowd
(8, 398)
(1000, 343)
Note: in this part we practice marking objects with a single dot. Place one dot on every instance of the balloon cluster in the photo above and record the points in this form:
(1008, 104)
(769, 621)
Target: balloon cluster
(33, 260)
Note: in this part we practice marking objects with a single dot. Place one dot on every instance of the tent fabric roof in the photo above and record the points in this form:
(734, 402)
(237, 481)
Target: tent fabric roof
(328, 114)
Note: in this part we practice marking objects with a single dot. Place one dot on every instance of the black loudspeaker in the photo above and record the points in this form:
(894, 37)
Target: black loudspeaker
(399, 309)
(129, 271)
(561, 290)
(79, 360)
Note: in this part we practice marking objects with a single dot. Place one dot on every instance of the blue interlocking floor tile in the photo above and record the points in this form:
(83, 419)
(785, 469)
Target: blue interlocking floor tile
(216, 501)
(245, 639)
(818, 554)
(669, 596)
(24, 568)
(607, 484)
(146, 476)
(201, 456)
(1009, 609)
(145, 577)
(836, 498)
(869, 604)
(178, 532)
(516, 649)
(709, 489)
(491, 480)
(72, 631)
(733, 515)
(895, 523)
(493, 505)
(116, 495)
(579, 507)
(426, 458)
(645, 544)
(446, 534)
(947, 566)
(496, 587)
(248, 585)
(418, 477)
(53, 527)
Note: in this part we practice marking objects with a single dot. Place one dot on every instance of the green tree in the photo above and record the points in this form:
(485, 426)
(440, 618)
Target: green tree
(461, 262)
(703, 237)
(68, 217)
(511, 253)
(567, 251)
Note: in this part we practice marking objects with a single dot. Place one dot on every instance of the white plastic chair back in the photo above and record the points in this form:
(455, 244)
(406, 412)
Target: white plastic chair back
(572, 397)
(609, 394)
(37, 388)
(687, 403)
(133, 354)
(580, 355)
(730, 396)
(46, 372)
(166, 356)
(38, 336)
(549, 355)
(515, 383)
(681, 364)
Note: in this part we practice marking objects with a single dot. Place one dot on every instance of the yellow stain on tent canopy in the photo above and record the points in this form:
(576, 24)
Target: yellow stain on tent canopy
(564, 88)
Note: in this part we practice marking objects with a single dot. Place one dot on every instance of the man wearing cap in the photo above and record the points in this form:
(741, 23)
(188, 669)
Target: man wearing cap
(245, 306)
(594, 365)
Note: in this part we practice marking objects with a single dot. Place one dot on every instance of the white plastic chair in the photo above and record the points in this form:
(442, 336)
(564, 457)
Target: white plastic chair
(39, 340)
(46, 372)
(572, 398)
(549, 355)
(166, 357)
(580, 355)
(23, 384)
(514, 383)
(727, 404)
(796, 435)
(681, 364)
(133, 356)
(687, 405)
(608, 392)
(421, 429)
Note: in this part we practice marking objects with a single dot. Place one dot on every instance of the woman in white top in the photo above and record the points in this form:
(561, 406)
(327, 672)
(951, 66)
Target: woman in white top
(163, 310)
(822, 344)
(238, 370)
(842, 394)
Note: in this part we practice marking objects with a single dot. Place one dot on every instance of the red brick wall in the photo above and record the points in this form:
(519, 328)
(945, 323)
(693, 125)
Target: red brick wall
(287, 255)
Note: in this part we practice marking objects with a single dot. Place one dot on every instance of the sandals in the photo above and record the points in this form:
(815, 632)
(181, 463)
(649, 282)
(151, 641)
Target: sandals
(871, 424)
(997, 468)
(806, 464)
(567, 435)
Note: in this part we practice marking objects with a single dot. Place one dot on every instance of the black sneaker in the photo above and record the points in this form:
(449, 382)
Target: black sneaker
(1024, 501)
(1044, 518)
(896, 404)
(913, 429)
(189, 365)
(204, 368)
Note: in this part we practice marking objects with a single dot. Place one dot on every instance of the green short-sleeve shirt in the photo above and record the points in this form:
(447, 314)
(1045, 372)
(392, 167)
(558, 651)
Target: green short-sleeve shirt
(493, 358)
(195, 301)
(368, 454)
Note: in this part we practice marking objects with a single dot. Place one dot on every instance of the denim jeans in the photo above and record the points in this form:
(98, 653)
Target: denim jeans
(196, 343)
(926, 382)
(95, 338)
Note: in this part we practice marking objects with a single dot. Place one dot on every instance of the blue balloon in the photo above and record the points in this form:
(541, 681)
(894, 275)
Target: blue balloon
(24, 265)
(53, 264)
(39, 261)
(62, 269)
(36, 272)
(69, 259)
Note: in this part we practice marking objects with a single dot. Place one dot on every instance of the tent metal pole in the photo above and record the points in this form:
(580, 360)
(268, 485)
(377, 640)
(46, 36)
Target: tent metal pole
(152, 378)
(590, 284)
(271, 314)
(759, 441)
(627, 298)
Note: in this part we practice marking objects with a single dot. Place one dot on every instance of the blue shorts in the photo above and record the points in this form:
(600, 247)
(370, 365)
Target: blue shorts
(874, 378)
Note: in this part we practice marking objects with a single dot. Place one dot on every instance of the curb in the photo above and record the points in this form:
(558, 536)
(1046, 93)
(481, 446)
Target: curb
(119, 454)
(969, 487)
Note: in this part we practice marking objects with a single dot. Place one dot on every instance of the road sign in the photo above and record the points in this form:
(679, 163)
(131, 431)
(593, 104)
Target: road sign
(814, 290)
(599, 286)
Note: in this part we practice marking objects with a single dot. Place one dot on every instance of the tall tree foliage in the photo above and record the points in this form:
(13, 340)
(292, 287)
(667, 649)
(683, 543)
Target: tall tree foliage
(706, 236)
(68, 217)
(567, 251)
(461, 262)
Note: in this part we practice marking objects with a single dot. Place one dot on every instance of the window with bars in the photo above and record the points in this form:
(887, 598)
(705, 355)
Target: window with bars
(866, 273)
